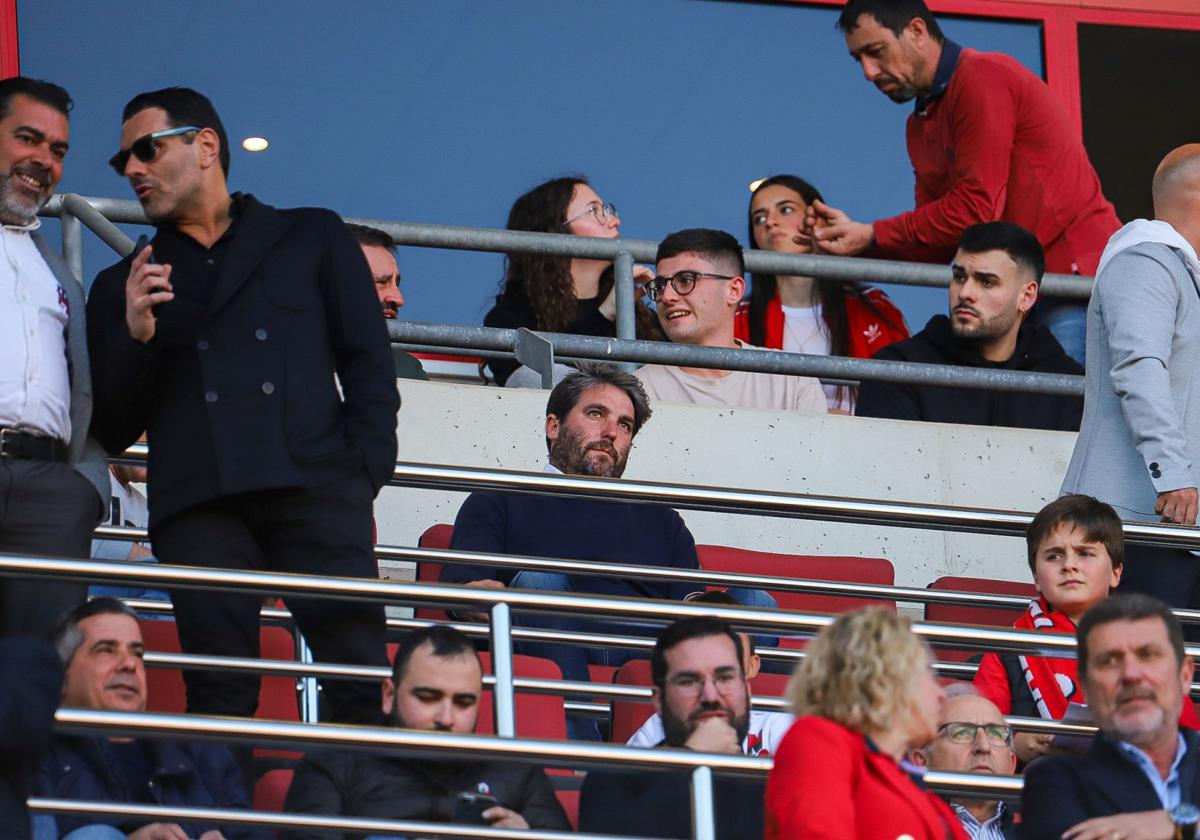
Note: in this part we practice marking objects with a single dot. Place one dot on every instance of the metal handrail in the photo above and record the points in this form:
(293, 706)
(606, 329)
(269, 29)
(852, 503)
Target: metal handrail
(393, 741)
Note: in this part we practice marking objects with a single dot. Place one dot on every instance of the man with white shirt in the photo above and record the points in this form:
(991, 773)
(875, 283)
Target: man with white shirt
(55, 485)
(699, 284)
(592, 417)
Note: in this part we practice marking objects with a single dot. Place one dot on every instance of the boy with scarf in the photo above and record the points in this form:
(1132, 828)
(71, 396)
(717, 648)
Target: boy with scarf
(1076, 554)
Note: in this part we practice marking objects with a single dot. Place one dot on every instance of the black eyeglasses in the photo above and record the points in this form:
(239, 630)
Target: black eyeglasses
(681, 281)
(144, 148)
(960, 732)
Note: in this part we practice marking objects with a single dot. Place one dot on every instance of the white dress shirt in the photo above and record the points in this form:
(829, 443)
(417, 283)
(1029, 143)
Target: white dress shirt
(35, 385)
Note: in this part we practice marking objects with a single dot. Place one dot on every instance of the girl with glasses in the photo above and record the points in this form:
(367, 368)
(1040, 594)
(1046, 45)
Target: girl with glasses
(806, 314)
(561, 294)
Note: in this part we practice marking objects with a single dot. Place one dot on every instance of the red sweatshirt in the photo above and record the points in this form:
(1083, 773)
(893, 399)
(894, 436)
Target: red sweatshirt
(998, 145)
(868, 331)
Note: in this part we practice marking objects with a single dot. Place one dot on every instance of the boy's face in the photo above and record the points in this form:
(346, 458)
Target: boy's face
(1071, 573)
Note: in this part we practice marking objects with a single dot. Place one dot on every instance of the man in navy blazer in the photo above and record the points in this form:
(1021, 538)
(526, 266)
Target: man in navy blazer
(1140, 780)
(246, 341)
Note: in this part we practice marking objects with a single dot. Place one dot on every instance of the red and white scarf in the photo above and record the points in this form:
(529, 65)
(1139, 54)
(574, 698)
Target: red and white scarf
(1054, 682)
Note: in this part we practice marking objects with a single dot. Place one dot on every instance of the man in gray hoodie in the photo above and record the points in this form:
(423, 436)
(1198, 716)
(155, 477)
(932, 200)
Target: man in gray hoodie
(1139, 443)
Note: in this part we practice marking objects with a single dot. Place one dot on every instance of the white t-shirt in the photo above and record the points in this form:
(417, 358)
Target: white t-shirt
(805, 331)
(766, 731)
(777, 391)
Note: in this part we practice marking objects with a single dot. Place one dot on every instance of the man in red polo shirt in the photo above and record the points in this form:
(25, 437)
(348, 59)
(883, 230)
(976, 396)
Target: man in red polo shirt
(988, 141)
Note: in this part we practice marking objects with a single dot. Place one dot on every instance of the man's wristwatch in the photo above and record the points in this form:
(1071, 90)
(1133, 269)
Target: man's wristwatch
(1186, 817)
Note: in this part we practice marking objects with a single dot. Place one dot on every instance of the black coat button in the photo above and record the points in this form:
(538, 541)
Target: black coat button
(1153, 466)
(1156, 474)
(210, 396)
(260, 334)
(202, 344)
(268, 388)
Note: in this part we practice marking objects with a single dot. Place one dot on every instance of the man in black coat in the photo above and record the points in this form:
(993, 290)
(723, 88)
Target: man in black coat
(996, 276)
(1141, 777)
(436, 684)
(222, 340)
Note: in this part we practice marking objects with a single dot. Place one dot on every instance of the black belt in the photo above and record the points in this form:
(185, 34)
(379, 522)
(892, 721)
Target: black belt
(22, 445)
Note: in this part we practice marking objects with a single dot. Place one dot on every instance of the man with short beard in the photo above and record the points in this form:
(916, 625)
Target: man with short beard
(703, 696)
(996, 275)
(435, 686)
(591, 419)
(1140, 780)
(54, 478)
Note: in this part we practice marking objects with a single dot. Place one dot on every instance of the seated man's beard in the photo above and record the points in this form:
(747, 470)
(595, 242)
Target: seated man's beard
(676, 730)
(569, 454)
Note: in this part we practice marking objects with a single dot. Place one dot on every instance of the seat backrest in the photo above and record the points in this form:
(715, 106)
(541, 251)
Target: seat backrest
(538, 715)
(769, 685)
(629, 715)
(987, 616)
(270, 791)
(165, 689)
(721, 558)
(435, 536)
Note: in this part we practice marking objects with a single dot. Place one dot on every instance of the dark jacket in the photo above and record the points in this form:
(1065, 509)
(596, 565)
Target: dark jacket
(513, 312)
(659, 804)
(237, 393)
(1064, 790)
(31, 678)
(575, 529)
(193, 774)
(402, 788)
(1037, 350)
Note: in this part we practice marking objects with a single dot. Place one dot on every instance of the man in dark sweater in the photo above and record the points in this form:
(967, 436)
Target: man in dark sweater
(591, 419)
(996, 275)
(435, 687)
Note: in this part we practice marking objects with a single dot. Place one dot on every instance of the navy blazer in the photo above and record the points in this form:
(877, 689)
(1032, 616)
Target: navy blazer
(1064, 790)
(251, 403)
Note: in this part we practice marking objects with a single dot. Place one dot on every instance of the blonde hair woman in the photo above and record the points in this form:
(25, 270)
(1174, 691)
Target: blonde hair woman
(864, 695)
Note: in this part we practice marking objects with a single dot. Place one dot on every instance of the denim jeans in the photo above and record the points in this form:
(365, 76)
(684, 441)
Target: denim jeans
(45, 828)
(1067, 321)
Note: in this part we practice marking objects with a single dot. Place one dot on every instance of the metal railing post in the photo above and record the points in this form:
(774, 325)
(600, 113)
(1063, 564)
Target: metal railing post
(536, 353)
(626, 314)
(310, 699)
(703, 807)
(72, 243)
(503, 698)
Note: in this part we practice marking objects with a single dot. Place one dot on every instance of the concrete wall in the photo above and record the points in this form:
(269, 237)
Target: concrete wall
(1006, 469)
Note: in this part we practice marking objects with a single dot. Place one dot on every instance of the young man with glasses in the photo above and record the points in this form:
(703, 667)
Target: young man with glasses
(698, 285)
(703, 696)
(226, 340)
(972, 737)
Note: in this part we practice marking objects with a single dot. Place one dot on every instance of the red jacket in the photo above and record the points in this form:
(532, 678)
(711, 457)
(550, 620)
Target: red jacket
(999, 145)
(828, 784)
(868, 331)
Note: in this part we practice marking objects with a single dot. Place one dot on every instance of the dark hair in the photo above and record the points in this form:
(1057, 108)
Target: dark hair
(566, 394)
(724, 599)
(371, 237)
(1021, 246)
(828, 293)
(38, 90)
(66, 635)
(891, 14)
(544, 281)
(1129, 606)
(446, 641)
(183, 106)
(717, 246)
(683, 630)
(1098, 521)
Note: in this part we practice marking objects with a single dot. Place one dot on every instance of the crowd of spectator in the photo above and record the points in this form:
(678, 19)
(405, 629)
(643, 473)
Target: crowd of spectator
(245, 343)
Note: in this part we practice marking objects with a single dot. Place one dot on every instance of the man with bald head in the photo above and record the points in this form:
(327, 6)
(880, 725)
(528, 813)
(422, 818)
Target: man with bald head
(1138, 444)
(972, 737)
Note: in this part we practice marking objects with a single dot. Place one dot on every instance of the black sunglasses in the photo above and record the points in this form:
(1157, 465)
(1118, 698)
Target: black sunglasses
(144, 148)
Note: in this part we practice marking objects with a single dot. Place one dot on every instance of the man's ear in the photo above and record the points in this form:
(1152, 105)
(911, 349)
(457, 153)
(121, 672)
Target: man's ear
(387, 696)
(552, 427)
(656, 698)
(737, 288)
(917, 30)
(209, 146)
(1027, 298)
(917, 757)
(1186, 673)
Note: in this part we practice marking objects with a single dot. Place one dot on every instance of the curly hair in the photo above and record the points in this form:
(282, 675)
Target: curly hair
(861, 671)
(543, 280)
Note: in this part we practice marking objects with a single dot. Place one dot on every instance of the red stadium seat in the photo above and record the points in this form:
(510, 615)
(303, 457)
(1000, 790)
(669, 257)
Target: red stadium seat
(629, 715)
(271, 790)
(987, 616)
(538, 715)
(569, 800)
(435, 536)
(770, 685)
(875, 570)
